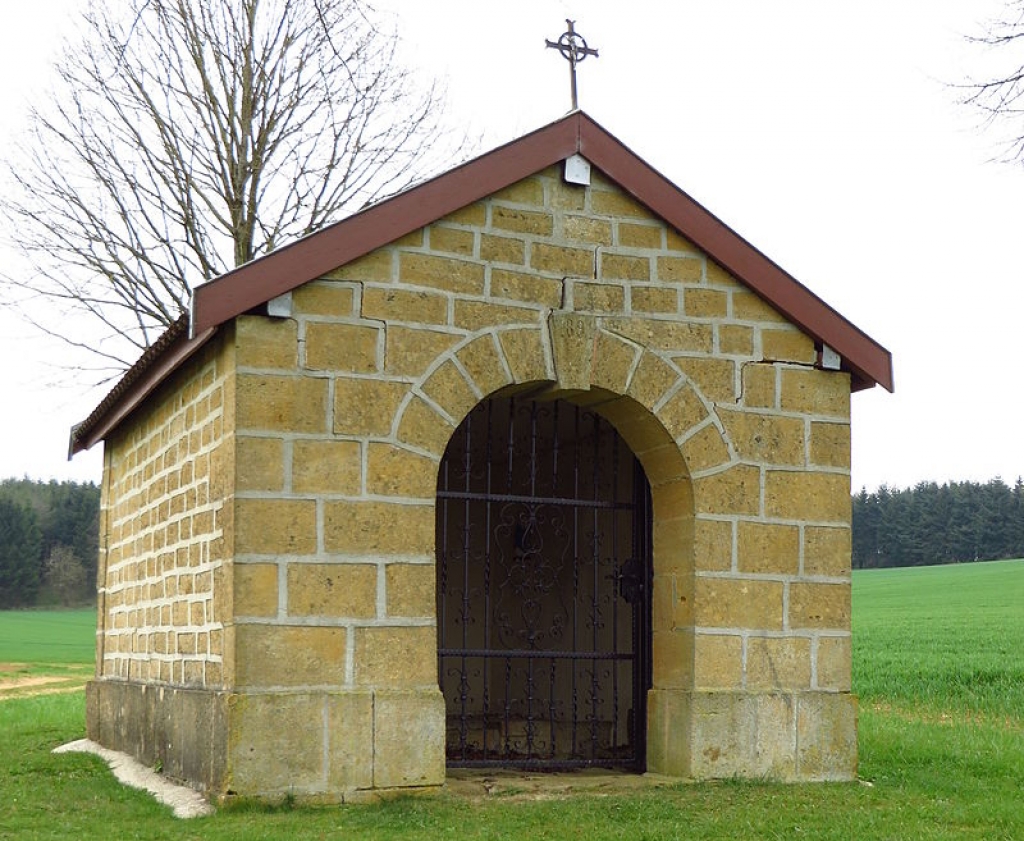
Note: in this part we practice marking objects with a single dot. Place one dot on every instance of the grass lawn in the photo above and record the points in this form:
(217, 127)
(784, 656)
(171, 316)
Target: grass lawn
(938, 662)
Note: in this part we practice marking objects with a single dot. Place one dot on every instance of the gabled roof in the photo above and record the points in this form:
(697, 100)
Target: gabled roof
(287, 268)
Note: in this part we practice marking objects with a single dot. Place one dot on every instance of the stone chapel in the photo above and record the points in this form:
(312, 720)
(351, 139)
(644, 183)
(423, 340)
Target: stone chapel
(537, 464)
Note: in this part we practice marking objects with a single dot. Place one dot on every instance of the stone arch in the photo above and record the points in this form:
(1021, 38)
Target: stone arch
(661, 415)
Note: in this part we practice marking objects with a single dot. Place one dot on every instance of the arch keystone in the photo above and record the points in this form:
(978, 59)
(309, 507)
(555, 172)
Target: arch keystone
(572, 346)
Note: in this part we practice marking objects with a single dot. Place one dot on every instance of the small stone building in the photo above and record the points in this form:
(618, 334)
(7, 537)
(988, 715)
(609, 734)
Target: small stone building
(536, 464)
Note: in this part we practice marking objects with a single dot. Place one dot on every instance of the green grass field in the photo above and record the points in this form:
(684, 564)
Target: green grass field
(938, 660)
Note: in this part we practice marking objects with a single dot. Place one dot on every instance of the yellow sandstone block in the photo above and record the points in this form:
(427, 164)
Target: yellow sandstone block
(336, 590)
(393, 471)
(447, 273)
(779, 663)
(378, 528)
(411, 351)
(255, 589)
(451, 240)
(417, 306)
(823, 497)
(718, 662)
(396, 657)
(280, 655)
(281, 403)
(830, 444)
(768, 548)
(738, 603)
(481, 360)
(323, 298)
(366, 407)
(496, 249)
(326, 467)
(341, 347)
(410, 590)
(654, 299)
(262, 342)
(827, 551)
(763, 438)
(813, 605)
(527, 287)
(275, 526)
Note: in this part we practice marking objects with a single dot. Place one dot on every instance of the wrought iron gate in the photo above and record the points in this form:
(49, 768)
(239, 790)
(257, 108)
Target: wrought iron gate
(543, 590)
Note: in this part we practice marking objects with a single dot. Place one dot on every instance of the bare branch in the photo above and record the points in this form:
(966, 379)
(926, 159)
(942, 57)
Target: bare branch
(186, 137)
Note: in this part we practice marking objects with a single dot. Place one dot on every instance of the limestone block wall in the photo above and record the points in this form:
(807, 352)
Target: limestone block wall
(344, 411)
(270, 521)
(162, 607)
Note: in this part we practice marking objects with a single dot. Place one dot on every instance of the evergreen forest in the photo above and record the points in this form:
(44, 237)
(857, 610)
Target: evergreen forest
(956, 522)
(49, 543)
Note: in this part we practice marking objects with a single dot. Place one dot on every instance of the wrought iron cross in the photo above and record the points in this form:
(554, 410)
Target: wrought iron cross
(574, 49)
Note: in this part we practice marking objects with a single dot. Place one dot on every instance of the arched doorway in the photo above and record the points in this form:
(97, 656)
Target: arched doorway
(543, 589)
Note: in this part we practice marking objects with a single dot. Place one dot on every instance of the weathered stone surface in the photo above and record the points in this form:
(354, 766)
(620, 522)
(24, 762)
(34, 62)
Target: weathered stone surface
(524, 354)
(586, 229)
(814, 605)
(289, 655)
(680, 269)
(366, 407)
(738, 603)
(602, 297)
(394, 471)
(713, 545)
(714, 378)
(788, 346)
(821, 497)
(614, 359)
(834, 664)
(350, 740)
(447, 273)
(759, 386)
(640, 235)
(830, 444)
(412, 351)
(718, 662)
(396, 656)
(495, 249)
(572, 342)
(452, 240)
(705, 449)
(259, 463)
(526, 286)
(280, 403)
(827, 551)
(342, 347)
(448, 388)
(410, 590)
(336, 590)
(779, 663)
(415, 306)
(408, 738)
(672, 657)
(768, 548)
(477, 315)
(378, 528)
(255, 589)
(326, 467)
(481, 360)
(733, 491)
(654, 299)
(765, 438)
(323, 298)
(816, 392)
(278, 726)
(275, 526)
(262, 342)
(827, 737)
(421, 426)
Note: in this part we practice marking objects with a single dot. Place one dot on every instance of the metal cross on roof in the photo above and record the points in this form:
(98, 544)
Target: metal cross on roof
(574, 49)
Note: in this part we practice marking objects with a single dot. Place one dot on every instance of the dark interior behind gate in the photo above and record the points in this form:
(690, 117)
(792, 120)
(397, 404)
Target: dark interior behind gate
(543, 590)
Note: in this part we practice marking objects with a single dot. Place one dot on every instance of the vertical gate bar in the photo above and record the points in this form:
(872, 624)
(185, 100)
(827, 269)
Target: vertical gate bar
(575, 574)
(552, 710)
(466, 539)
(595, 553)
(442, 589)
(616, 589)
(508, 705)
(489, 451)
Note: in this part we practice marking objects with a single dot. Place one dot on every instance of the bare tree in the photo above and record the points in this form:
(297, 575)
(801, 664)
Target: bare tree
(998, 94)
(186, 137)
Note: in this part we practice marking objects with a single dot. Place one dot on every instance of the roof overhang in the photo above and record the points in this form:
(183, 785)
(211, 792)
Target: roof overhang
(252, 285)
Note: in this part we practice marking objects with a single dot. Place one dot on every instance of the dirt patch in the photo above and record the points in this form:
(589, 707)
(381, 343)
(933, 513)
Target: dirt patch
(521, 785)
(28, 686)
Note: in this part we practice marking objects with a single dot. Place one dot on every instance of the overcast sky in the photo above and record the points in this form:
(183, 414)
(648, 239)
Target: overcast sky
(824, 133)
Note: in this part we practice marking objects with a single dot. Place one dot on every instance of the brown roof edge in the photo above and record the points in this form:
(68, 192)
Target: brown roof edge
(281, 271)
(866, 360)
(157, 363)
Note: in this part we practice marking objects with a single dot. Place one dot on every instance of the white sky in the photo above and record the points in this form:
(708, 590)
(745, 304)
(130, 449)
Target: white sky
(820, 131)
